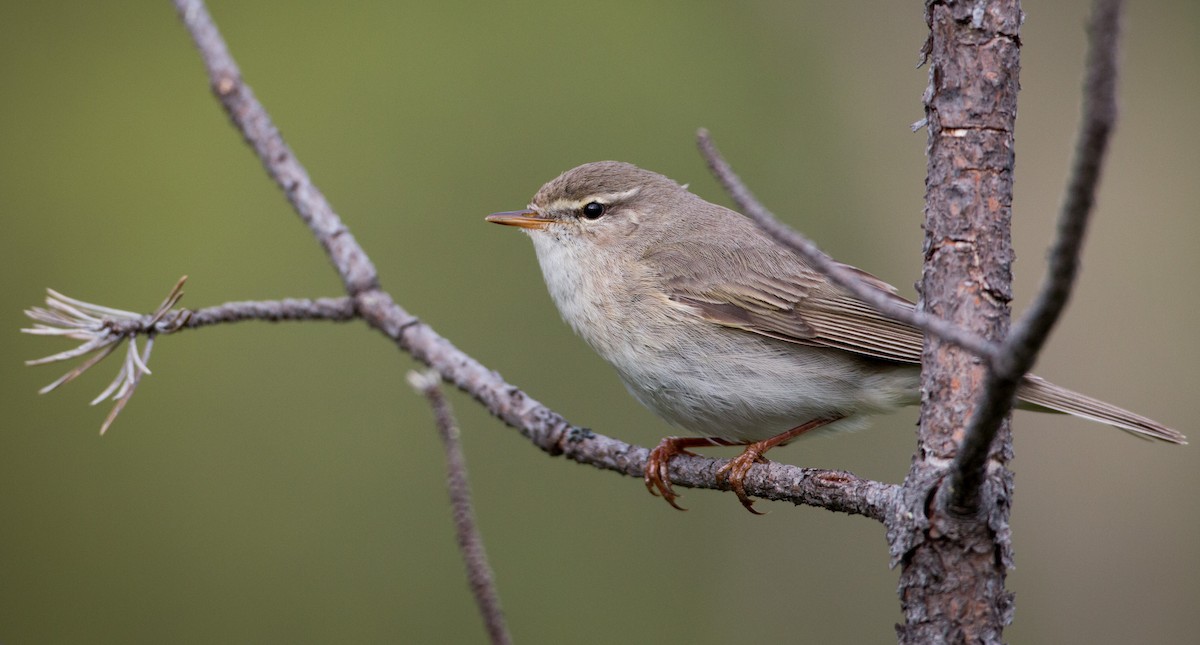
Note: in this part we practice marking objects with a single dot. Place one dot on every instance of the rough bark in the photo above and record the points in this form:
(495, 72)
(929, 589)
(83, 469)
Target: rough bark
(954, 565)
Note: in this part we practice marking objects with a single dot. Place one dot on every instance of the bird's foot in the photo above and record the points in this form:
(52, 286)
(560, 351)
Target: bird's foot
(734, 473)
(735, 470)
(658, 464)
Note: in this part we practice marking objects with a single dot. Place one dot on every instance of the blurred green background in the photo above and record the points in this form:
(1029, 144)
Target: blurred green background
(283, 483)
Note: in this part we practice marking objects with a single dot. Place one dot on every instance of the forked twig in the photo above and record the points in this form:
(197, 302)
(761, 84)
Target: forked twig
(470, 542)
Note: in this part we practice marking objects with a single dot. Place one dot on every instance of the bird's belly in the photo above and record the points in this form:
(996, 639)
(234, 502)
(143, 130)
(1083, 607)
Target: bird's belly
(750, 388)
(712, 380)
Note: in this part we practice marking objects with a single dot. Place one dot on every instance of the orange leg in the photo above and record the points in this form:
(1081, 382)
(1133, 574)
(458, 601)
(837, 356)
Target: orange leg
(735, 471)
(658, 479)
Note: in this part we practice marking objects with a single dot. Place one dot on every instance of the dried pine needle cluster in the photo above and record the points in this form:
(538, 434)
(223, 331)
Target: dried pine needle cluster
(103, 330)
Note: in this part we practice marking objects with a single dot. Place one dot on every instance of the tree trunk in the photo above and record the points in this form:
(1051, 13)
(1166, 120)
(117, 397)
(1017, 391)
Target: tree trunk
(953, 565)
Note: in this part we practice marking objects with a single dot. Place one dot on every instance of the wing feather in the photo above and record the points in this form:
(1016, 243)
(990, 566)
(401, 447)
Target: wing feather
(731, 286)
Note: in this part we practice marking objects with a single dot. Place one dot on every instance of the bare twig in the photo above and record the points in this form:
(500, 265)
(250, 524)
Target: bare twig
(543, 427)
(286, 310)
(355, 269)
(839, 273)
(470, 542)
(1025, 341)
(103, 329)
(547, 429)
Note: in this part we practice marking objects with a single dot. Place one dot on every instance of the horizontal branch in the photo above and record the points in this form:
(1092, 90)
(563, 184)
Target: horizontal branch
(290, 309)
(102, 329)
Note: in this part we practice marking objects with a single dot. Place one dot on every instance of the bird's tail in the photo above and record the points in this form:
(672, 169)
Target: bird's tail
(1039, 394)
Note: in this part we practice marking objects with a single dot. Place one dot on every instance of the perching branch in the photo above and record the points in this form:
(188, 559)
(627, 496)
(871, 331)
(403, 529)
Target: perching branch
(545, 428)
(470, 542)
(841, 275)
(548, 430)
(103, 329)
(833, 490)
(1023, 344)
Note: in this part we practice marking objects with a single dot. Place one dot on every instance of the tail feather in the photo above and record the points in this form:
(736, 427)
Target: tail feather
(1040, 393)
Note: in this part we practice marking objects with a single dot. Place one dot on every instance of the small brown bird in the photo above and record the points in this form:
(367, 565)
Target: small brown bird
(724, 332)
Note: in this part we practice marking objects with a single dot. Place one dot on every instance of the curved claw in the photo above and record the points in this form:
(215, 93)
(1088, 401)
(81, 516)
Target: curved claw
(657, 472)
(734, 473)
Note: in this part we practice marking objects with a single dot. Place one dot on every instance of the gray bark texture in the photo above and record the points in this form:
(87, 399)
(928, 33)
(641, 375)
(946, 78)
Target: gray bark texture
(954, 561)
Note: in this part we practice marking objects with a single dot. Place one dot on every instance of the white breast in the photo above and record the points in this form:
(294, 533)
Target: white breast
(704, 378)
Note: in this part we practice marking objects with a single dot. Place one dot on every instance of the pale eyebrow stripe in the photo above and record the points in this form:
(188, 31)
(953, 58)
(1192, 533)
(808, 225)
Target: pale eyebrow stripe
(607, 198)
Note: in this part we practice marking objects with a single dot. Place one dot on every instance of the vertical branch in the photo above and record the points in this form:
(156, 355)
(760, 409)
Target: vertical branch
(1031, 332)
(470, 542)
(954, 568)
(1098, 120)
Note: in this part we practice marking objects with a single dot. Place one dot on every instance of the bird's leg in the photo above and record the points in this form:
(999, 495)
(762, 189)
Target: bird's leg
(658, 478)
(735, 471)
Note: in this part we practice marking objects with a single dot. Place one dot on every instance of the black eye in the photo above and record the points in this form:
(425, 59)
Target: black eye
(593, 210)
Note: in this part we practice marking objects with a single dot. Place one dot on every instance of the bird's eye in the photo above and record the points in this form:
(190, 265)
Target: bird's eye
(593, 210)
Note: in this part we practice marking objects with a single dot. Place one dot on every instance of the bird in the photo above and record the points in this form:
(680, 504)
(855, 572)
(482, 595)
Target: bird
(724, 332)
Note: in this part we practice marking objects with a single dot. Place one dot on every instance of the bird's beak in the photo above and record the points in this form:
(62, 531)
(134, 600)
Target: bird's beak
(520, 219)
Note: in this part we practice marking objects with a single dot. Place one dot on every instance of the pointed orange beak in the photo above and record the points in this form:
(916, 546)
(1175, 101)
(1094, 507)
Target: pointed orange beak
(520, 219)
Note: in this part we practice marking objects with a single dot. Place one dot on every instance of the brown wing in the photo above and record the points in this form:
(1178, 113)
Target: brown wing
(732, 287)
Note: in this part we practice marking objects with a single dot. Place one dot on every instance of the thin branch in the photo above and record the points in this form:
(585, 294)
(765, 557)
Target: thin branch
(286, 310)
(355, 269)
(542, 426)
(103, 329)
(164, 322)
(470, 542)
(841, 275)
(1025, 341)
(547, 429)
